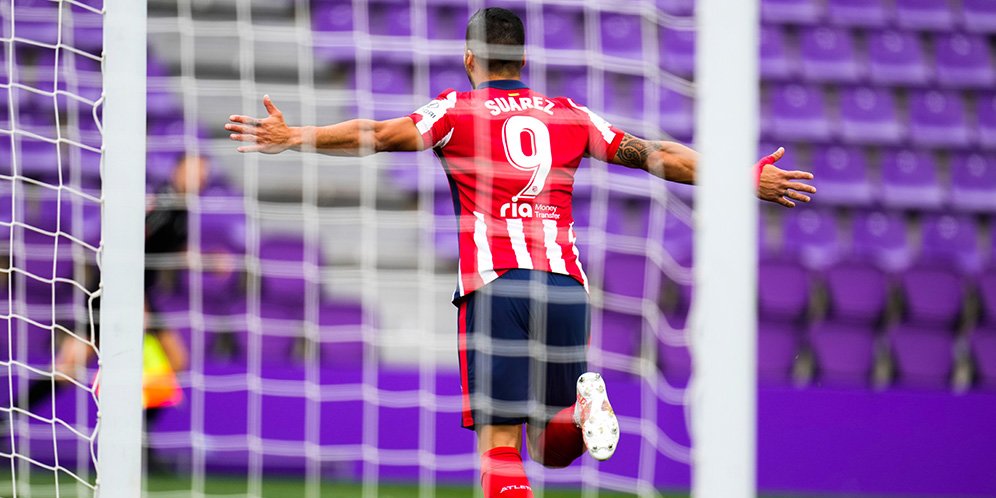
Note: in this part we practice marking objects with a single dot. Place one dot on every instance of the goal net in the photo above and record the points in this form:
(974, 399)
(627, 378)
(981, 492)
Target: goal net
(310, 297)
(50, 238)
(314, 295)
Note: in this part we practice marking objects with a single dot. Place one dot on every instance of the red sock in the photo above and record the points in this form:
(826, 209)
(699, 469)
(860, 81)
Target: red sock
(561, 442)
(502, 474)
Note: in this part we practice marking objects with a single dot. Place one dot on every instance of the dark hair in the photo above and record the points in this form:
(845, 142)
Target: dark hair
(497, 38)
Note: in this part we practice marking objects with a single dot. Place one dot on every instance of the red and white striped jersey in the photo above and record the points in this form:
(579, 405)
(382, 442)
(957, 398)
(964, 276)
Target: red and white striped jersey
(510, 155)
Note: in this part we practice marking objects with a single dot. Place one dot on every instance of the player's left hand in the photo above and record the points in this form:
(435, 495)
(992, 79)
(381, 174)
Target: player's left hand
(781, 186)
(269, 135)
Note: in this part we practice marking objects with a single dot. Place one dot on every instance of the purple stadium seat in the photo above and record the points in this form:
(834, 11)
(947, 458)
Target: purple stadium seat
(222, 230)
(567, 81)
(858, 13)
(882, 238)
(678, 51)
(620, 35)
(4, 77)
(811, 236)
(777, 348)
(983, 346)
(86, 89)
(678, 240)
(40, 160)
(963, 61)
(36, 344)
(447, 73)
(843, 176)
(986, 285)
(285, 268)
(973, 182)
(927, 15)
(828, 55)
(868, 116)
(49, 213)
(938, 119)
(163, 104)
(43, 261)
(857, 292)
(389, 18)
(332, 16)
(680, 8)
(624, 95)
(844, 354)
(933, 295)
(447, 20)
(445, 229)
(621, 333)
(676, 364)
(89, 38)
(677, 114)
(776, 60)
(951, 241)
(910, 180)
(40, 31)
(985, 110)
(628, 215)
(922, 356)
(979, 16)
(341, 323)
(392, 74)
(159, 167)
(792, 11)
(783, 291)
(896, 58)
(563, 27)
(798, 113)
(625, 274)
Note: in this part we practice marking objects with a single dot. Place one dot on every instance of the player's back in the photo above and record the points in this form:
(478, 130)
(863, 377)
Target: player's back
(510, 154)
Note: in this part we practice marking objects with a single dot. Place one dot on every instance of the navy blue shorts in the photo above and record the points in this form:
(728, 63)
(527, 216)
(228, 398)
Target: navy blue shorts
(523, 343)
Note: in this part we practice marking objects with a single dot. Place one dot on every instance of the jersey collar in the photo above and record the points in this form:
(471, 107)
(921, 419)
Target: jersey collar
(503, 85)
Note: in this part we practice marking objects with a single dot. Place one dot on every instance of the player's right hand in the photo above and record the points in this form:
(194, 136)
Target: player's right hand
(781, 186)
(269, 135)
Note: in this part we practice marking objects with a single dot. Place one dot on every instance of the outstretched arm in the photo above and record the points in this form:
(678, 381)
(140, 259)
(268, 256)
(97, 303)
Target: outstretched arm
(668, 160)
(357, 137)
(676, 162)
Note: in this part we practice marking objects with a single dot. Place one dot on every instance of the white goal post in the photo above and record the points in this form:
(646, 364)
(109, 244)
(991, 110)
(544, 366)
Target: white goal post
(724, 317)
(122, 261)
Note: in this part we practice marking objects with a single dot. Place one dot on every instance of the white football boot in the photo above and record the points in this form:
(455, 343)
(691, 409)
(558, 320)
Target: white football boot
(594, 415)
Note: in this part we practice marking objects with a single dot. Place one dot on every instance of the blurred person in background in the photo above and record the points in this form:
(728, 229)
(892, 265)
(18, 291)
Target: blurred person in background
(164, 350)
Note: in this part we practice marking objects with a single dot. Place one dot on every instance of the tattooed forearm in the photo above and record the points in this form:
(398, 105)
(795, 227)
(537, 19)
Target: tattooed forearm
(669, 160)
(635, 152)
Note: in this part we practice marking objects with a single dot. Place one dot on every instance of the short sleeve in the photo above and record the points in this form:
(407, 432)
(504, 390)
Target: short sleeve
(433, 122)
(603, 138)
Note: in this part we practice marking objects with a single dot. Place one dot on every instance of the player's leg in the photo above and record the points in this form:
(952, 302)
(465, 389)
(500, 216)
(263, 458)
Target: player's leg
(502, 472)
(494, 366)
(561, 324)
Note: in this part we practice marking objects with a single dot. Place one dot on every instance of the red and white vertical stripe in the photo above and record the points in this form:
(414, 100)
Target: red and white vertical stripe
(504, 244)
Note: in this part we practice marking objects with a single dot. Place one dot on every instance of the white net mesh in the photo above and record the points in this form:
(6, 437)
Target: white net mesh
(50, 202)
(314, 292)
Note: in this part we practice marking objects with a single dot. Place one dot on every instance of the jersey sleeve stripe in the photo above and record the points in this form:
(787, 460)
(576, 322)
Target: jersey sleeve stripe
(600, 123)
(433, 112)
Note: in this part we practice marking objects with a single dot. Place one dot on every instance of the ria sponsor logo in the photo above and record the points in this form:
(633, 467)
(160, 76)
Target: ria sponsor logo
(517, 210)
